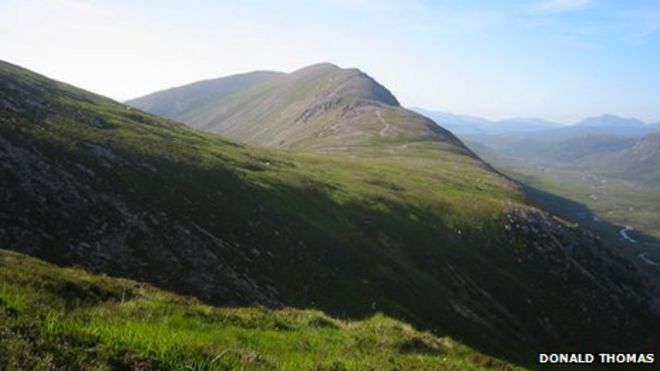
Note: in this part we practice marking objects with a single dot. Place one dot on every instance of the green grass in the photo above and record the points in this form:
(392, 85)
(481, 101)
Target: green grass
(53, 317)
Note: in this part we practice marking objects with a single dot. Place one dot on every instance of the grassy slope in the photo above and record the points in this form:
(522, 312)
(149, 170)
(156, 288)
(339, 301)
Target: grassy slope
(423, 232)
(68, 318)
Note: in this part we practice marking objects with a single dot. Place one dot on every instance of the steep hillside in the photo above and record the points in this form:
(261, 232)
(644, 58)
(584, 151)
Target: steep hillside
(417, 229)
(640, 161)
(56, 318)
(648, 148)
(320, 107)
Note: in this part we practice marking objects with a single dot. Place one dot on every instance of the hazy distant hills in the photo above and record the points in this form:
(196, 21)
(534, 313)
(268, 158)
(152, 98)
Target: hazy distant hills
(457, 124)
(607, 144)
(605, 165)
(371, 209)
(530, 127)
(472, 125)
(605, 125)
(321, 107)
(608, 120)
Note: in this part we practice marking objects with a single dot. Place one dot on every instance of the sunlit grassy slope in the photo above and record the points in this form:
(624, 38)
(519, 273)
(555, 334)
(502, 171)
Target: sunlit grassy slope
(53, 317)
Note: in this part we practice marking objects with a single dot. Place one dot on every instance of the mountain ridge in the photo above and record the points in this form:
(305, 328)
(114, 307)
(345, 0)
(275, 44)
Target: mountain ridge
(208, 87)
(320, 107)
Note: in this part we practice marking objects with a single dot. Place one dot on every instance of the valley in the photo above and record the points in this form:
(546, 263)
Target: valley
(595, 174)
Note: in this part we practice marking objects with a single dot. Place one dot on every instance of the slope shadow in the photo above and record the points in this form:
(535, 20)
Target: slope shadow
(612, 234)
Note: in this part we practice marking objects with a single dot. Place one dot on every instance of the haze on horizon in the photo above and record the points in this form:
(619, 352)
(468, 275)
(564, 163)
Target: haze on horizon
(561, 60)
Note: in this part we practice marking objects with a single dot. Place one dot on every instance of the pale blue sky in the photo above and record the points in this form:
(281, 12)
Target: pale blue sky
(556, 59)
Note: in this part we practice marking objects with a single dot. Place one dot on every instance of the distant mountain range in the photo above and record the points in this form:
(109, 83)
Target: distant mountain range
(607, 124)
(464, 124)
(606, 144)
(610, 121)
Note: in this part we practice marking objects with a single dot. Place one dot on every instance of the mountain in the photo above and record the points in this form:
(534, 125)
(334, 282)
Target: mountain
(84, 321)
(604, 125)
(471, 125)
(404, 220)
(516, 131)
(320, 107)
(609, 121)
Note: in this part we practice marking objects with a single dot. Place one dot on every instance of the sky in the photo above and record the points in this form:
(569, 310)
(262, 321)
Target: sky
(561, 60)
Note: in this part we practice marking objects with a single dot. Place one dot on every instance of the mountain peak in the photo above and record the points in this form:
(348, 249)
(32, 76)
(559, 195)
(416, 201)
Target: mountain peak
(323, 66)
(610, 120)
(348, 83)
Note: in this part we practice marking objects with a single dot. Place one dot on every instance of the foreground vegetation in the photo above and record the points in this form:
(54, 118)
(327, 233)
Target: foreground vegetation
(53, 317)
